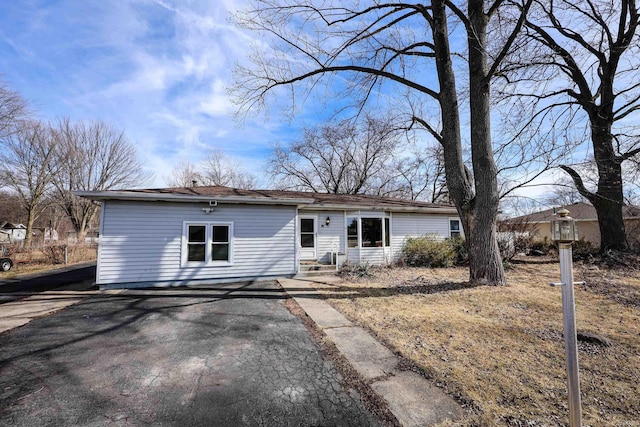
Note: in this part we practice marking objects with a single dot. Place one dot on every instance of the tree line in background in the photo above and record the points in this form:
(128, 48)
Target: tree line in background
(507, 88)
(41, 164)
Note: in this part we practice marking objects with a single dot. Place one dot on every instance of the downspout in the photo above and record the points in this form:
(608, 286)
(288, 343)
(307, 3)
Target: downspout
(296, 242)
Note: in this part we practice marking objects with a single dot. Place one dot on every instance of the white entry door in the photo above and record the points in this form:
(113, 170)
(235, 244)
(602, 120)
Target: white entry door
(307, 226)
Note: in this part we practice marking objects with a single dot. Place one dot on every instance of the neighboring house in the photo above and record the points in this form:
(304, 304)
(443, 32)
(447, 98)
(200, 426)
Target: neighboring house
(12, 233)
(173, 236)
(586, 218)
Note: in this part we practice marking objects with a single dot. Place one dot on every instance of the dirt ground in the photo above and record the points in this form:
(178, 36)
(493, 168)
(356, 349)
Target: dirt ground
(500, 350)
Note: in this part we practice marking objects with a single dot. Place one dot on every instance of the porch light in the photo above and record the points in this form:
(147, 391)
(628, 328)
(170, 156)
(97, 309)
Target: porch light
(327, 221)
(564, 229)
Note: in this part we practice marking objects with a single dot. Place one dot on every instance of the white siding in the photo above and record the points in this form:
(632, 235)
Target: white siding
(141, 242)
(405, 225)
(329, 238)
(375, 256)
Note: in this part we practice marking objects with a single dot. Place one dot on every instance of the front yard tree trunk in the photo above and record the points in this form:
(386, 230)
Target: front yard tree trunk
(478, 211)
(485, 260)
(608, 200)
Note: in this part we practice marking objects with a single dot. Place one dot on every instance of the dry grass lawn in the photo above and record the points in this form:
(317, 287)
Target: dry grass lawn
(500, 350)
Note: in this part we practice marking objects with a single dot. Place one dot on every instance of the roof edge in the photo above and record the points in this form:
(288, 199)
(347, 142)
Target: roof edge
(390, 208)
(185, 198)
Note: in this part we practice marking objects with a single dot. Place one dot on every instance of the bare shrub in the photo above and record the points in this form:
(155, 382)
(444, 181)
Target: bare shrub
(583, 249)
(359, 271)
(9, 249)
(512, 244)
(54, 254)
(542, 247)
(633, 235)
(426, 251)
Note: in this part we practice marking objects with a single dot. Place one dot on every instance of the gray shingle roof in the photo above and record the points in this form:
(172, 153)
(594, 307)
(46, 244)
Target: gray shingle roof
(310, 198)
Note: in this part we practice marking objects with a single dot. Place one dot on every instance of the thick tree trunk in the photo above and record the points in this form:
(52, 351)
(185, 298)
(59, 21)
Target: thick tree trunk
(477, 211)
(608, 200)
(487, 262)
(612, 230)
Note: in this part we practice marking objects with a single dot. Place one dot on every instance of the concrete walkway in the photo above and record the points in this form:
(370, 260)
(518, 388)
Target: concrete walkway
(23, 310)
(412, 399)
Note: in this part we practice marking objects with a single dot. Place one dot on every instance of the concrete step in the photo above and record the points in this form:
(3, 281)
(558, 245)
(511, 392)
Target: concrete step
(307, 270)
(317, 267)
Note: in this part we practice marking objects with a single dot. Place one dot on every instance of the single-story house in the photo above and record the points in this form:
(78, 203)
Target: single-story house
(539, 223)
(12, 233)
(175, 236)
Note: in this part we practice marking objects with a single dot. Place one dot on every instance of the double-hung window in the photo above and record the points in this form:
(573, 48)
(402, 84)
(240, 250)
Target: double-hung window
(352, 232)
(207, 244)
(454, 228)
(220, 242)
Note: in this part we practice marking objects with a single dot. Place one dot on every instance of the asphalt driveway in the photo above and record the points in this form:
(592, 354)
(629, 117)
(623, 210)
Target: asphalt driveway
(218, 356)
(47, 280)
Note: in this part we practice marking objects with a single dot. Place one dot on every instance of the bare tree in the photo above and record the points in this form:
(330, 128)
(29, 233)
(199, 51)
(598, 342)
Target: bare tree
(13, 109)
(92, 156)
(216, 169)
(360, 156)
(564, 194)
(590, 50)
(27, 166)
(219, 169)
(345, 157)
(382, 47)
(421, 176)
(184, 174)
(11, 209)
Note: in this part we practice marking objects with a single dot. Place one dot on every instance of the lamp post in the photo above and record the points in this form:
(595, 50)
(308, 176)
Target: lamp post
(564, 231)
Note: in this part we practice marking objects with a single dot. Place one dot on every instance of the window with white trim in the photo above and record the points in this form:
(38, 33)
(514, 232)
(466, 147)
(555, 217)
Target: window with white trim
(352, 232)
(387, 232)
(207, 244)
(454, 228)
(368, 232)
(371, 232)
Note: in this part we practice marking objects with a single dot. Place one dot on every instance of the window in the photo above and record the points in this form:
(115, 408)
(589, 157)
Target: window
(208, 244)
(454, 228)
(368, 232)
(352, 232)
(220, 243)
(196, 243)
(371, 232)
(387, 232)
(307, 233)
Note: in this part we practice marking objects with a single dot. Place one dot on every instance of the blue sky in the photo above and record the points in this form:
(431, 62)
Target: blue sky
(156, 69)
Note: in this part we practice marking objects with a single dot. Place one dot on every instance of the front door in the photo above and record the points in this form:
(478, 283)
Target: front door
(307, 227)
